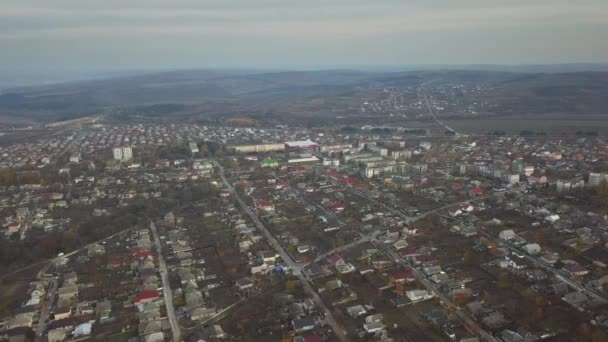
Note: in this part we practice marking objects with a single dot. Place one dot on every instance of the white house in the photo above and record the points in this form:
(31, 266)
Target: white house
(506, 234)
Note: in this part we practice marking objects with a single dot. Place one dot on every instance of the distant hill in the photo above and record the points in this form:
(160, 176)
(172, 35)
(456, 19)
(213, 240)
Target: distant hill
(190, 92)
(575, 93)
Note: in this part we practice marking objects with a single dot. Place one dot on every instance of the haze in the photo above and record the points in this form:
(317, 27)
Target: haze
(42, 35)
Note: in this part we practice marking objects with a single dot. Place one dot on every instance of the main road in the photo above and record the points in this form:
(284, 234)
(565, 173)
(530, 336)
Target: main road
(167, 293)
(295, 267)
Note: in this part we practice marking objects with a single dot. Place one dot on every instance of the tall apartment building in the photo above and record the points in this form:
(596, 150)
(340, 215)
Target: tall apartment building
(124, 153)
(117, 152)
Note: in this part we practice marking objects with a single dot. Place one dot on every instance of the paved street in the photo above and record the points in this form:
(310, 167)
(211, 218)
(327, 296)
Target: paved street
(46, 310)
(167, 293)
(297, 271)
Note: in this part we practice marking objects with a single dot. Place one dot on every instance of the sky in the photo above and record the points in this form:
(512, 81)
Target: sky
(38, 36)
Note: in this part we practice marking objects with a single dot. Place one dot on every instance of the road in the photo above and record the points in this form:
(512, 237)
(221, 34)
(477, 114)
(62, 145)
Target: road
(167, 293)
(295, 267)
(45, 312)
(472, 324)
(46, 309)
(432, 113)
(412, 219)
(547, 267)
(6, 275)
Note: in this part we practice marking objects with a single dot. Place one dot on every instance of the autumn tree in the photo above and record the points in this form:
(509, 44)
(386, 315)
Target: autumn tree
(601, 193)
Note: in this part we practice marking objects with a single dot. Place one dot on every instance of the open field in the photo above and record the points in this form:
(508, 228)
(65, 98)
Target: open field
(550, 124)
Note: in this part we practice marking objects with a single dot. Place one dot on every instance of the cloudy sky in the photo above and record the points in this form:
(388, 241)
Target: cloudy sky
(155, 34)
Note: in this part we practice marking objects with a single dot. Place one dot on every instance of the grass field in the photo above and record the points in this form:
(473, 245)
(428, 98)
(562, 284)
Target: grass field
(553, 124)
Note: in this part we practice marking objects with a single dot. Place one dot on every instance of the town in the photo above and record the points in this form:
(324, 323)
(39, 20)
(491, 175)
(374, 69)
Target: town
(189, 232)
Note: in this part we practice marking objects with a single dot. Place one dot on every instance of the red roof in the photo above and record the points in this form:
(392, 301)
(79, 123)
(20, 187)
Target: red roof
(337, 206)
(404, 276)
(424, 258)
(263, 203)
(477, 190)
(145, 295)
(138, 253)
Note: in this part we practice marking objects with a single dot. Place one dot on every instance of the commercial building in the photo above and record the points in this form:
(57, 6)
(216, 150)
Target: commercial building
(305, 145)
(259, 148)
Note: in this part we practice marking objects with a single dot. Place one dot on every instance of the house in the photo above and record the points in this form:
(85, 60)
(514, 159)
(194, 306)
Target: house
(431, 270)
(336, 206)
(149, 316)
(193, 298)
(67, 293)
(454, 212)
(494, 320)
(199, 314)
(85, 308)
(403, 277)
(373, 323)
(145, 297)
(575, 298)
(21, 320)
(244, 284)
(83, 329)
(507, 235)
(467, 208)
(476, 191)
(357, 311)
(19, 334)
(418, 295)
(303, 324)
(532, 248)
(58, 330)
(514, 336)
(264, 205)
(575, 269)
(150, 327)
(537, 178)
(62, 312)
(103, 310)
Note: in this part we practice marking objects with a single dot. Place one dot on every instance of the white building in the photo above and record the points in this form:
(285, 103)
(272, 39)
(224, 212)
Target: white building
(513, 179)
(127, 153)
(532, 248)
(596, 178)
(117, 151)
(331, 162)
(506, 234)
(124, 153)
(75, 158)
(193, 147)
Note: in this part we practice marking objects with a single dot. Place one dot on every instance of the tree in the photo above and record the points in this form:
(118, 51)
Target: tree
(493, 248)
(504, 280)
(601, 197)
(467, 257)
